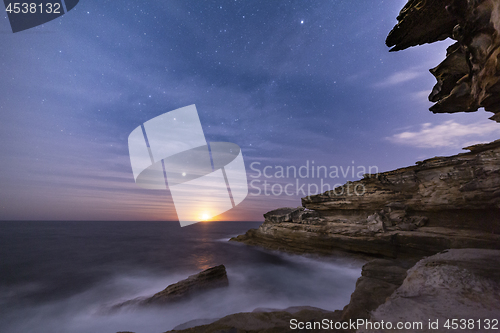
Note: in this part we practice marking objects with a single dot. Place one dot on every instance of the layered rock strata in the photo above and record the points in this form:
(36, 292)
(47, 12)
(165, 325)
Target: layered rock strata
(469, 77)
(440, 203)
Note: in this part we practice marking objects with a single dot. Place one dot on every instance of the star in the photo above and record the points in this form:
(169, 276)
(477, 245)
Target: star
(302, 22)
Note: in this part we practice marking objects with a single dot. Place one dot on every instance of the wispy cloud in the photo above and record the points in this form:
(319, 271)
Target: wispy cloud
(421, 96)
(398, 77)
(447, 134)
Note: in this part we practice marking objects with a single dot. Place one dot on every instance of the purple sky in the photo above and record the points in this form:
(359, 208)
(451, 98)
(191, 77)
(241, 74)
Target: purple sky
(290, 82)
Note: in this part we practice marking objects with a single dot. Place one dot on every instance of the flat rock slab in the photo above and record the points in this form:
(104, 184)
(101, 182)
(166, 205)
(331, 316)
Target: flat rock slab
(455, 284)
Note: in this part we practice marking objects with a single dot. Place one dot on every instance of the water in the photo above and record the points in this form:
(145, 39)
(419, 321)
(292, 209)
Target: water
(63, 276)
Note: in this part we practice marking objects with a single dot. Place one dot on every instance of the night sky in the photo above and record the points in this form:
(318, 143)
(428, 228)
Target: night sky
(288, 81)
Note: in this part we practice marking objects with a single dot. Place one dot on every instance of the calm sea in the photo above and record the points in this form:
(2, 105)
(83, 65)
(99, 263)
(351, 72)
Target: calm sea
(63, 276)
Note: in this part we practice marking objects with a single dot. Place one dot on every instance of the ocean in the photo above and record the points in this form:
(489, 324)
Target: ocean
(64, 276)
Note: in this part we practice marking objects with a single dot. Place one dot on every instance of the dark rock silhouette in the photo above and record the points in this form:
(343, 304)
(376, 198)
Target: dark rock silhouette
(211, 278)
(469, 77)
(214, 277)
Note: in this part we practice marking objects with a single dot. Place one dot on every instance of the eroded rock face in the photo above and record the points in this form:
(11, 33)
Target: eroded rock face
(455, 284)
(469, 77)
(421, 22)
(379, 279)
(468, 183)
(440, 203)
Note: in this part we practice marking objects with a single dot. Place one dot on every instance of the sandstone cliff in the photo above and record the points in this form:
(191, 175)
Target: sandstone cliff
(469, 77)
(440, 203)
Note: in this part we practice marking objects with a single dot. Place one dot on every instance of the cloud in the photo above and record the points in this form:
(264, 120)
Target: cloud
(421, 96)
(447, 134)
(398, 77)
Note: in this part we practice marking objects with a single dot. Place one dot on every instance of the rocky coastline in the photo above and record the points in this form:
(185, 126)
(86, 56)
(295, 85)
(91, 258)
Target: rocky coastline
(456, 283)
(436, 225)
(432, 229)
(432, 232)
(438, 204)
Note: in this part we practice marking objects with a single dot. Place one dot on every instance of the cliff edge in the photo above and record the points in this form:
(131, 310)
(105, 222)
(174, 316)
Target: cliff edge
(440, 203)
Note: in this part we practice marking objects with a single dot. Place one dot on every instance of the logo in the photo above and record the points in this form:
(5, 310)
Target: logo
(31, 13)
(205, 179)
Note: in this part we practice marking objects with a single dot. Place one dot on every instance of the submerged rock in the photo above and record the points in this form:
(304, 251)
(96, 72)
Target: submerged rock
(211, 278)
(214, 277)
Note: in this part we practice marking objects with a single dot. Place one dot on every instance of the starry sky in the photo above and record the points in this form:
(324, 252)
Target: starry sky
(288, 81)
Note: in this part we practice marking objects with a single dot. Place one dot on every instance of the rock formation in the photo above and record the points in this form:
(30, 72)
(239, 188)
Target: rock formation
(214, 277)
(440, 203)
(266, 322)
(460, 284)
(211, 278)
(469, 77)
(379, 279)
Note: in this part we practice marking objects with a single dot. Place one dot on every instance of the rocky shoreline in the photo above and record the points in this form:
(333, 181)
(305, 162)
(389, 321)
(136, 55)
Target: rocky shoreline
(457, 283)
(437, 224)
(433, 227)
